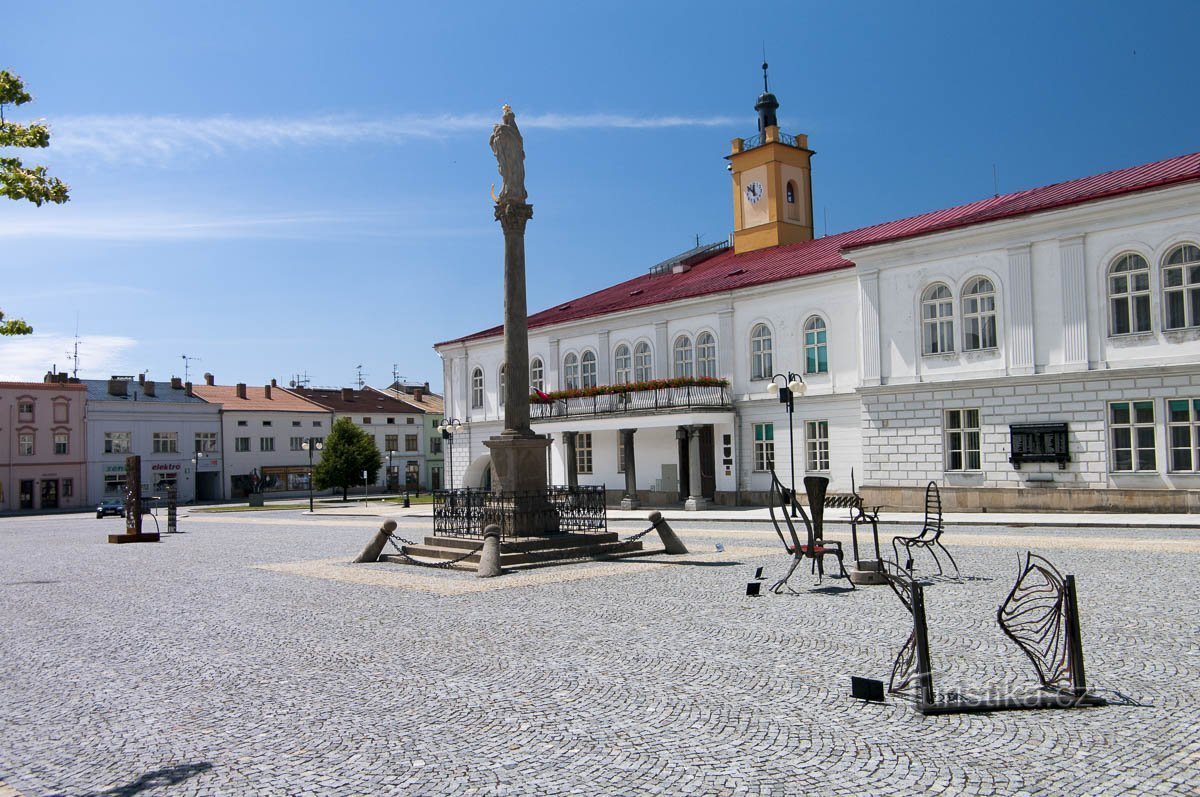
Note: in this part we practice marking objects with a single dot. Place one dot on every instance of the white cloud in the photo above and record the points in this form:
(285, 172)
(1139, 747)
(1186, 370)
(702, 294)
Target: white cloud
(155, 138)
(28, 357)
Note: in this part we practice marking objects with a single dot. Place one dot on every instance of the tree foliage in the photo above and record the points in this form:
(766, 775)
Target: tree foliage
(348, 452)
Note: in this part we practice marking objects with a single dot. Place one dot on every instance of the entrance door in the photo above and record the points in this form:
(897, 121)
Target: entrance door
(50, 494)
(435, 478)
(708, 463)
(412, 474)
(26, 494)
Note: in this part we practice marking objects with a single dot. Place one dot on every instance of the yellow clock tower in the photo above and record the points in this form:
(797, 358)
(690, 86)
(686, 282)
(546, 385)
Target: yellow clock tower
(772, 183)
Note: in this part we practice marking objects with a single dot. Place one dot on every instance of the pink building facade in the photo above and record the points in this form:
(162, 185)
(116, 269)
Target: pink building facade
(42, 446)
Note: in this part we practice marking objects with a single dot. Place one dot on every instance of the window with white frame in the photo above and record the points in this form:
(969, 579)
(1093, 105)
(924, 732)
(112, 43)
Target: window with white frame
(1131, 436)
(643, 362)
(962, 440)
(1181, 287)
(683, 356)
(537, 374)
(118, 442)
(411, 443)
(477, 388)
(571, 371)
(206, 442)
(706, 355)
(979, 315)
(266, 444)
(25, 444)
(762, 366)
(937, 320)
(295, 443)
(816, 445)
(114, 483)
(165, 442)
(502, 383)
(25, 411)
(241, 444)
(620, 454)
(62, 443)
(764, 447)
(1183, 434)
(583, 452)
(1129, 295)
(587, 369)
(816, 348)
(622, 365)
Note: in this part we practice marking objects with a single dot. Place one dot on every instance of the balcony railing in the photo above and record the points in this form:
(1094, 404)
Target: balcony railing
(757, 140)
(634, 401)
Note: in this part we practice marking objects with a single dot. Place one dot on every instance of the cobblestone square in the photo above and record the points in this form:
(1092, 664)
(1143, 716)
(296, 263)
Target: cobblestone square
(245, 657)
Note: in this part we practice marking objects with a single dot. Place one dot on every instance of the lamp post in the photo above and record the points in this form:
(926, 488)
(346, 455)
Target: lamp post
(310, 445)
(447, 427)
(792, 386)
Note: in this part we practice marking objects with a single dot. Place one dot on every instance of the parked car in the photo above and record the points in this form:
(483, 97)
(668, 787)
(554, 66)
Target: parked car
(111, 506)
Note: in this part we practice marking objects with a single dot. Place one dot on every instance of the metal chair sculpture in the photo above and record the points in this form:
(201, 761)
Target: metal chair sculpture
(815, 546)
(930, 536)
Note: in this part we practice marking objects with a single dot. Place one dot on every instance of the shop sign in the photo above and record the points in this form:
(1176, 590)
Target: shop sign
(159, 467)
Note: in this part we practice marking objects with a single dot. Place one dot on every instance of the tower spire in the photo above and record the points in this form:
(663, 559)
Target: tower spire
(766, 104)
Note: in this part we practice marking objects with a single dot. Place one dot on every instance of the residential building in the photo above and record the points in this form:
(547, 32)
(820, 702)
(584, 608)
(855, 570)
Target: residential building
(176, 433)
(1039, 349)
(263, 432)
(42, 445)
(430, 403)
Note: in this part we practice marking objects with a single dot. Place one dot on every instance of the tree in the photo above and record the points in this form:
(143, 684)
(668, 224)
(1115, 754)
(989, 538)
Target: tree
(348, 452)
(17, 181)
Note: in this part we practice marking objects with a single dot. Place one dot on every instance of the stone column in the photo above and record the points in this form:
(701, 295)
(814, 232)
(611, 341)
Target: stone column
(630, 501)
(696, 499)
(512, 217)
(572, 461)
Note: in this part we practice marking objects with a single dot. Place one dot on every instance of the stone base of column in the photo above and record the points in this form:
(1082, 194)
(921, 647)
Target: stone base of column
(519, 462)
(695, 504)
(630, 503)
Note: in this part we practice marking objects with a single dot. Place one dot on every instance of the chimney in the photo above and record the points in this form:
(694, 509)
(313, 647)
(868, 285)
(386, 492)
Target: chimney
(419, 394)
(148, 388)
(208, 380)
(241, 390)
(187, 386)
(274, 383)
(347, 393)
(141, 379)
(176, 383)
(267, 391)
(116, 387)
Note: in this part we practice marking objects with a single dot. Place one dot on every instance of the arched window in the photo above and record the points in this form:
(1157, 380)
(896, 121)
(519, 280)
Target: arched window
(587, 375)
(477, 388)
(937, 320)
(706, 355)
(622, 365)
(501, 382)
(643, 362)
(1129, 295)
(979, 315)
(571, 371)
(793, 207)
(1181, 287)
(761, 363)
(537, 373)
(683, 356)
(816, 346)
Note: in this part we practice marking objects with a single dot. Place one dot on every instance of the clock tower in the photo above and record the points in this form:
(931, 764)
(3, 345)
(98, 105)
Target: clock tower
(772, 183)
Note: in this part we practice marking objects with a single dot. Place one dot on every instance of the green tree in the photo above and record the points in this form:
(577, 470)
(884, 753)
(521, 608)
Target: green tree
(348, 452)
(17, 181)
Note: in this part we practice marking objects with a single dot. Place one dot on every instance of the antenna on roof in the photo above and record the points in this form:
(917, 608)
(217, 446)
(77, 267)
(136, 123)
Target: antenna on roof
(187, 361)
(765, 89)
(697, 239)
(73, 355)
(358, 369)
(826, 235)
(396, 375)
(995, 181)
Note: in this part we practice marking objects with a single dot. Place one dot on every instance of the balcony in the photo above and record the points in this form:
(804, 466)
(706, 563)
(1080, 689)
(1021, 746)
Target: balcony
(647, 398)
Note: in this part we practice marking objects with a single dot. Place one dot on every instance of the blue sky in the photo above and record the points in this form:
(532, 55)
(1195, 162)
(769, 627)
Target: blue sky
(278, 188)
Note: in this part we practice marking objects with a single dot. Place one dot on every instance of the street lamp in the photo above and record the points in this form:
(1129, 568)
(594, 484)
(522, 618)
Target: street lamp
(447, 427)
(792, 386)
(310, 445)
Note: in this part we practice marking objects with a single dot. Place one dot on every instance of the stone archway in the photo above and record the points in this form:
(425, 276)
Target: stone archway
(479, 474)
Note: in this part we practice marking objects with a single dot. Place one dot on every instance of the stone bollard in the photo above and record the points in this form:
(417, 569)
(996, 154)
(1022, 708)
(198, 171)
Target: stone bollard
(671, 542)
(375, 547)
(489, 557)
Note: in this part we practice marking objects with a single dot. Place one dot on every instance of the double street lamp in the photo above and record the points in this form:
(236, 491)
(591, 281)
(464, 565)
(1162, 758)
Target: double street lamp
(310, 445)
(447, 427)
(792, 386)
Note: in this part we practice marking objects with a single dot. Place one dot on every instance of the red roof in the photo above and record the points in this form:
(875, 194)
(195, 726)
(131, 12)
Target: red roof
(728, 271)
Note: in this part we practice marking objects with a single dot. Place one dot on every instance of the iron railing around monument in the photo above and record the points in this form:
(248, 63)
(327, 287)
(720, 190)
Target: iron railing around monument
(706, 397)
(557, 510)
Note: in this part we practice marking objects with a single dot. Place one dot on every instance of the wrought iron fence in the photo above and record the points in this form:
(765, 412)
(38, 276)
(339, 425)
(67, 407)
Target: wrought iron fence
(557, 510)
(757, 140)
(633, 401)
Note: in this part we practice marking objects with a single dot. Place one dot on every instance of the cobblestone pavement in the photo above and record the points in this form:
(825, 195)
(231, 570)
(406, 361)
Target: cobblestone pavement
(189, 668)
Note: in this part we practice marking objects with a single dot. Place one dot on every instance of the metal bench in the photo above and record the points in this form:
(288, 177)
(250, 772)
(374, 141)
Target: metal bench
(815, 546)
(930, 536)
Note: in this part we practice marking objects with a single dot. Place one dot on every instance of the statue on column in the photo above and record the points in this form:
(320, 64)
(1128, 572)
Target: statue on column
(509, 148)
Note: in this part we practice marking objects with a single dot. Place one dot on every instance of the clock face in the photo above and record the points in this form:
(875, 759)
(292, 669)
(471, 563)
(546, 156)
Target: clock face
(754, 192)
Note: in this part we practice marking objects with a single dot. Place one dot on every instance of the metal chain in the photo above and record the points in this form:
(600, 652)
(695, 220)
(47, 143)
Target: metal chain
(446, 565)
(639, 535)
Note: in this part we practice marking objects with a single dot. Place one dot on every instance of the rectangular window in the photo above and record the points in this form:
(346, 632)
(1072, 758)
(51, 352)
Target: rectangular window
(266, 423)
(296, 444)
(1131, 436)
(410, 420)
(583, 452)
(114, 484)
(391, 420)
(242, 423)
(316, 423)
(206, 442)
(962, 440)
(620, 455)
(764, 447)
(366, 421)
(68, 489)
(435, 445)
(1183, 432)
(25, 411)
(166, 442)
(60, 412)
(25, 444)
(391, 442)
(295, 423)
(816, 445)
(266, 444)
(410, 443)
(118, 442)
(241, 444)
(62, 443)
